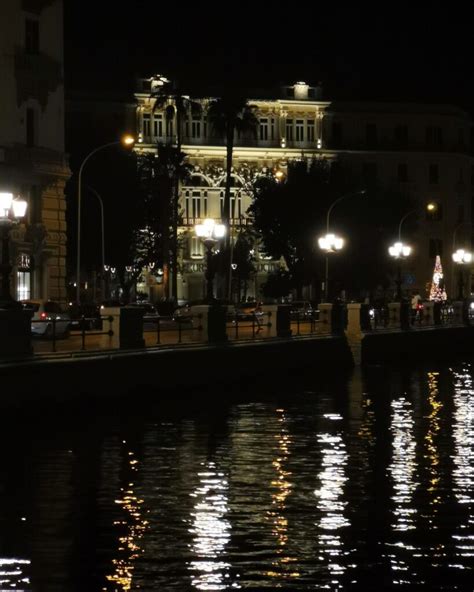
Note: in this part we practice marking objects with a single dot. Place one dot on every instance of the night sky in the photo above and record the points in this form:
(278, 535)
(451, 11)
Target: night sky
(394, 53)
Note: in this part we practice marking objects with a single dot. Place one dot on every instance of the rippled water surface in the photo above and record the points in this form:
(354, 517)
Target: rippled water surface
(358, 484)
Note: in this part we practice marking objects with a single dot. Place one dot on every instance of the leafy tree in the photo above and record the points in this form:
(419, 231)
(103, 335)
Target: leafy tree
(291, 215)
(278, 285)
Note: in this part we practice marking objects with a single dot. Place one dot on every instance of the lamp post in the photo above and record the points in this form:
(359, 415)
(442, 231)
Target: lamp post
(209, 232)
(11, 212)
(102, 273)
(461, 257)
(454, 250)
(399, 251)
(127, 141)
(330, 242)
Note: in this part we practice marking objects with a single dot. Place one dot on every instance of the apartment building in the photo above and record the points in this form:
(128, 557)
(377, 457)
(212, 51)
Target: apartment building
(425, 150)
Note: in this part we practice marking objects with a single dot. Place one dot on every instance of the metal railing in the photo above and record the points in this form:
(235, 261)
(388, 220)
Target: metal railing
(168, 324)
(256, 322)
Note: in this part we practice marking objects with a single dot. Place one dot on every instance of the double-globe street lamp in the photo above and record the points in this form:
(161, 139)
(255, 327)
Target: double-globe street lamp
(126, 141)
(12, 210)
(331, 243)
(461, 258)
(210, 233)
(400, 251)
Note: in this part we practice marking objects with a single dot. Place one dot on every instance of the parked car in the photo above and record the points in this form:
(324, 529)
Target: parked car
(183, 314)
(85, 316)
(150, 314)
(303, 310)
(48, 319)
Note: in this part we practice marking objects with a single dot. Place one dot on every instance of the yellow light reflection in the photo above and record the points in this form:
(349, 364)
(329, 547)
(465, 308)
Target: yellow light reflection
(281, 487)
(403, 466)
(463, 461)
(210, 531)
(134, 527)
(331, 504)
(431, 442)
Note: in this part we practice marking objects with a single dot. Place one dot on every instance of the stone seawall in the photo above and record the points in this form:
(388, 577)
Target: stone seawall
(119, 372)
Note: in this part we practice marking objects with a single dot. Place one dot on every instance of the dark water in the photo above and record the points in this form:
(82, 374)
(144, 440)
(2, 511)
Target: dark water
(358, 484)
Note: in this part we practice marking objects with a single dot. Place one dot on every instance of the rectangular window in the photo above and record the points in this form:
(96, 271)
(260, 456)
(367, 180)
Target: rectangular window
(205, 127)
(272, 129)
(196, 248)
(264, 129)
(299, 129)
(31, 36)
(23, 285)
(371, 135)
(310, 130)
(204, 204)
(289, 130)
(146, 125)
(169, 128)
(30, 128)
(436, 247)
(196, 128)
(434, 136)
(337, 133)
(402, 173)
(433, 174)
(157, 126)
(196, 204)
(400, 136)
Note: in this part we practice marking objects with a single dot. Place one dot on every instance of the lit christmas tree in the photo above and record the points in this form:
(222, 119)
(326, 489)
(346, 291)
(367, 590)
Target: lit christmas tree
(437, 291)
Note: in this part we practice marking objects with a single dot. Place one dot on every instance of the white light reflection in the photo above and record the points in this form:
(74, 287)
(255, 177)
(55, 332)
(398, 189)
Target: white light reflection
(403, 466)
(330, 503)
(211, 531)
(281, 488)
(463, 471)
(12, 574)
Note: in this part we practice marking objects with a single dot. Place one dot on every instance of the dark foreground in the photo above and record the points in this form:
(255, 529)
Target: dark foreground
(301, 483)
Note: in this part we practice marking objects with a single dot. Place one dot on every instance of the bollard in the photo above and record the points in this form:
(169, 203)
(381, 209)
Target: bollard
(15, 331)
(365, 323)
(131, 327)
(437, 312)
(216, 323)
(325, 314)
(394, 315)
(283, 321)
(404, 315)
(338, 318)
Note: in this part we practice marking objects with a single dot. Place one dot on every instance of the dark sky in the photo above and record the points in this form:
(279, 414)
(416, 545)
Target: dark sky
(388, 53)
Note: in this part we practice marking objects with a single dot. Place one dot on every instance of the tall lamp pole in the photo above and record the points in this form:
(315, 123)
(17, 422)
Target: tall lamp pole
(127, 141)
(210, 233)
(332, 243)
(102, 273)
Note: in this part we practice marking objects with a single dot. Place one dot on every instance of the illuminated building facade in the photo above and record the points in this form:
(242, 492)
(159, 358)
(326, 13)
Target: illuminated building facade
(420, 149)
(32, 158)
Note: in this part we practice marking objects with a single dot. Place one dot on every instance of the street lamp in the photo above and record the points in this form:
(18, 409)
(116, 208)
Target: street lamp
(330, 242)
(209, 232)
(11, 212)
(125, 141)
(102, 274)
(461, 257)
(399, 251)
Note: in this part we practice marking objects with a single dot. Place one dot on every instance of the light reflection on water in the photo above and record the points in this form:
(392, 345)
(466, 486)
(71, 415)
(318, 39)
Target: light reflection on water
(331, 504)
(210, 530)
(358, 486)
(463, 460)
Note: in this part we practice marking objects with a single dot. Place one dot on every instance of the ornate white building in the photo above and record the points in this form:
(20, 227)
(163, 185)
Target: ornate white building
(32, 159)
(425, 150)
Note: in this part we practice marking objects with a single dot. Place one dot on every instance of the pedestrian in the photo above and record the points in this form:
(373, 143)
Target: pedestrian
(258, 316)
(416, 306)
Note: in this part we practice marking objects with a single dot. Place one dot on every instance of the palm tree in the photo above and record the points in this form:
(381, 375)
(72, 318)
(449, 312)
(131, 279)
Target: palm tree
(228, 115)
(166, 96)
